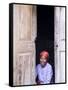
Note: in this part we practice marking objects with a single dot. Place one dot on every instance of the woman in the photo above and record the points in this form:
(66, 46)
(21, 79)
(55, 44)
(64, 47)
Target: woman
(44, 70)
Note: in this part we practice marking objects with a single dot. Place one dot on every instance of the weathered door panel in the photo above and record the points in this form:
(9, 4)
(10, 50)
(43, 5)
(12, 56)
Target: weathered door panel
(59, 43)
(24, 34)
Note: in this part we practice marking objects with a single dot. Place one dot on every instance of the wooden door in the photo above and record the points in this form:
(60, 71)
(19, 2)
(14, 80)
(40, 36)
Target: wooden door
(24, 34)
(59, 43)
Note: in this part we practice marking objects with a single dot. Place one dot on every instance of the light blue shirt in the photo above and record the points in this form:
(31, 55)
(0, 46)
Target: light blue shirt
(45, 73)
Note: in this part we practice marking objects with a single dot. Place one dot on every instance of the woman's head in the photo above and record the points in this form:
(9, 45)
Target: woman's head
(44, 55)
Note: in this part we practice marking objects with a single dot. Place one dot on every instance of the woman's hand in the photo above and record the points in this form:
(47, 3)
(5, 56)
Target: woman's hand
(39, 82)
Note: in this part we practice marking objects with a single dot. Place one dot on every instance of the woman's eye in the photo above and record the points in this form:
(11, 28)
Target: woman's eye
(41, 59)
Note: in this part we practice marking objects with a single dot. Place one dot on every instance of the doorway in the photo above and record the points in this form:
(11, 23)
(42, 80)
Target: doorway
(49, 25)
(45, 34)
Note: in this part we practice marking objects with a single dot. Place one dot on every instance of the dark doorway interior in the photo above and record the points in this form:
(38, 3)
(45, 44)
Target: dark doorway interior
(45, 33)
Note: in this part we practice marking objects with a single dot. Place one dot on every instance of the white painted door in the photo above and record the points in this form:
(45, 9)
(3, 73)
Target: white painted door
(59, 35)
(24, 34)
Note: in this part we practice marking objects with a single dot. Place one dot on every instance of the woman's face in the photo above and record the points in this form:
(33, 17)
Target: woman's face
(43, 61)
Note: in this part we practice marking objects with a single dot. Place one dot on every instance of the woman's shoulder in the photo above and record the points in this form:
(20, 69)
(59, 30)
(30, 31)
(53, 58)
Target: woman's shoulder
(38, 65)
(49, 65)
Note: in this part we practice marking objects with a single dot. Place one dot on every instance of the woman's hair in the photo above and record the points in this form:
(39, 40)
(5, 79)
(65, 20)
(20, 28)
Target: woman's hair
(45, 54)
